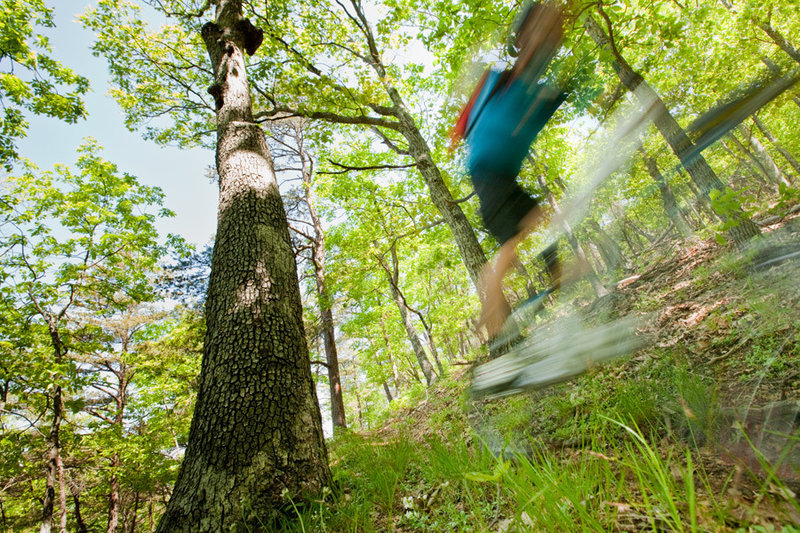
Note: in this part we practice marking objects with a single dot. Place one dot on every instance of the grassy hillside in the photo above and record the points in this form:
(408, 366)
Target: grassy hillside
(694, 432)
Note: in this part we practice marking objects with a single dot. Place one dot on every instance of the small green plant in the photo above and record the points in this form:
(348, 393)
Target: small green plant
(787, 196)
(729, 205)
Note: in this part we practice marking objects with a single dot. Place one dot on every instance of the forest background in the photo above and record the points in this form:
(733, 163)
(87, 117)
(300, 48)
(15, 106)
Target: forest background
(104, 315)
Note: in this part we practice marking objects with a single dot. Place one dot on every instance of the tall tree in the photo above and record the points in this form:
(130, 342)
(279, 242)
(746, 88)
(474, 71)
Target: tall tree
(787, 155)
(393, 275)
(113, 369)
(376, 102)
(667, 196)
(290, 140)
(256, 430)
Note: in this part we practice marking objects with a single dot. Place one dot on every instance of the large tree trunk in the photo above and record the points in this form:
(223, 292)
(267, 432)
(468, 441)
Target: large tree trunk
(743, 229)
(257, 429)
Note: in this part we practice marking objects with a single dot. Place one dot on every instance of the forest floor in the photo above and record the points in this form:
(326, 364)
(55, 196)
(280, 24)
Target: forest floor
(694, 432)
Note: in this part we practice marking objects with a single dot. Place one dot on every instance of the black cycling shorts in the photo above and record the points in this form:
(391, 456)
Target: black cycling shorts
(503, 203)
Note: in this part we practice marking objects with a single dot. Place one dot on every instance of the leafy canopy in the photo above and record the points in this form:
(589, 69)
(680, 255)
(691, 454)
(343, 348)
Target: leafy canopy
(30, 79)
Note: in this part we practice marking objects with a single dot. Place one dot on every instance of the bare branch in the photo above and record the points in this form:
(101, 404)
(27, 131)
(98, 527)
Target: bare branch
(383, 110)
(345, 48)
(308, 65)
(31, 423)
(388, 142)
(282, 112)
(110, 394)
(347, 168)
(462, 200)
(200, 13)
(102, 417)
(302, 234)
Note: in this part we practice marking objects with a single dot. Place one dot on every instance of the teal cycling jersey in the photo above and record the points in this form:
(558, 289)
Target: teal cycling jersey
(505, 120)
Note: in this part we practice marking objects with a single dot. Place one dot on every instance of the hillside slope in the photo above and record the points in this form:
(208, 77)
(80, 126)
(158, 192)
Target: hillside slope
(694, 432)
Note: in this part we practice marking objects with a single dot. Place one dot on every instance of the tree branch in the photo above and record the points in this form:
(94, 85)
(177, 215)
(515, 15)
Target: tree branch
(199, 14)
(102, 417)
(301, 233)
(348, 168)
(283, 112)
(388, 142)
(612, 42)
(110, 394)
(308, 65)
(384, 110)
(462, 200)
(31, 423)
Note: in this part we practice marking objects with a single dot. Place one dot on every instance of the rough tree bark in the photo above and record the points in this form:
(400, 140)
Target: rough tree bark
(697, 167)
(257, 429)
